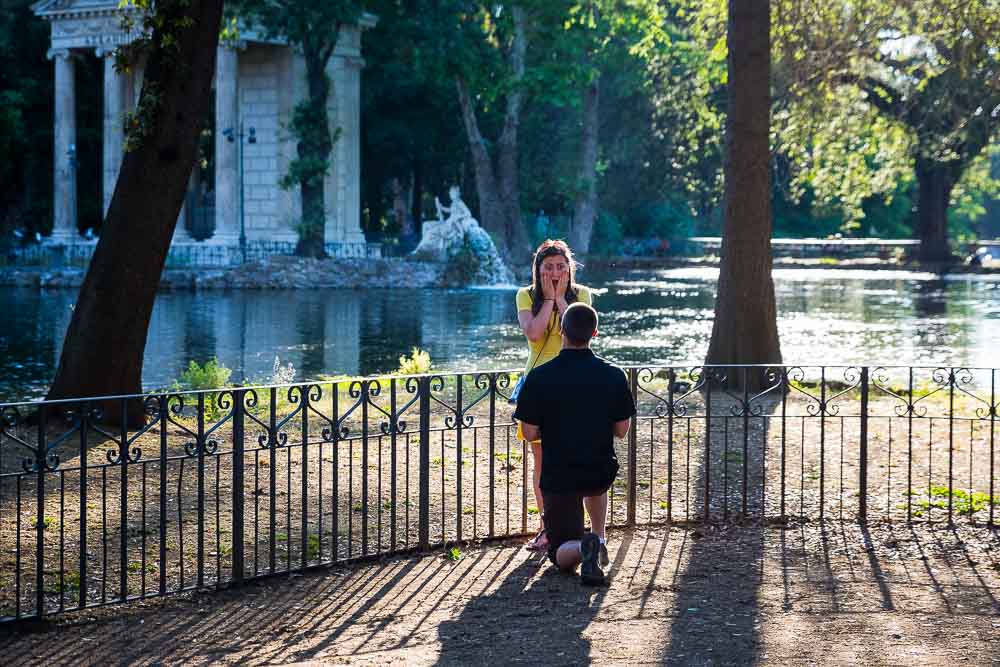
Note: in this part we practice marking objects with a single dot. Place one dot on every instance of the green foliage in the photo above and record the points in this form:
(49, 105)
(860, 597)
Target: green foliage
(962, 501)
(417, 363)
(47, 522)
(454, 554)
(211, 375)
(312, 547)
(607, 236)
(463, 265)
(26, 82)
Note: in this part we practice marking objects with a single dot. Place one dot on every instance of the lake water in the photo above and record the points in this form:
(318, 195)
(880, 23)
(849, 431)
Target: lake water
(647, 317)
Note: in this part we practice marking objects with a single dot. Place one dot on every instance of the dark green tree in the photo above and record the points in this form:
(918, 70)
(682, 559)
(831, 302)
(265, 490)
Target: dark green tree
(928, 66)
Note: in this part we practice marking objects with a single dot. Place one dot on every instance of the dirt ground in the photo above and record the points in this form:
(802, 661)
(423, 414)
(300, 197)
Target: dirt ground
(708, 595)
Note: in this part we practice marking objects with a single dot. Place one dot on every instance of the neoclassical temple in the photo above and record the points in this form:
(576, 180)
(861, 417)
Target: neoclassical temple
(258, 82)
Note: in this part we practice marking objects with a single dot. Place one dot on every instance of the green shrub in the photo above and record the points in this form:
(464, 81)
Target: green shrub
(212, 375)
(418, 362)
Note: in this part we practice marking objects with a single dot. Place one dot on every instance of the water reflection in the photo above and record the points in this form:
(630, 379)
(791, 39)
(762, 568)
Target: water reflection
(647, 317)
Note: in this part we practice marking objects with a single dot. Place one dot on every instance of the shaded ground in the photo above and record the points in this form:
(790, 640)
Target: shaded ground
(700, 595)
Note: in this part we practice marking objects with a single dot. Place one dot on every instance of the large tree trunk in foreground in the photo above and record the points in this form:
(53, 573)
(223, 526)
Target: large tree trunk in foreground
(934, 184)
(103, 350)
(585, 208)
(745, 330)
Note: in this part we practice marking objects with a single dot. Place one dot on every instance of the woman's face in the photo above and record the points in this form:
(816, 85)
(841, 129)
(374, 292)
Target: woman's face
(554, 268)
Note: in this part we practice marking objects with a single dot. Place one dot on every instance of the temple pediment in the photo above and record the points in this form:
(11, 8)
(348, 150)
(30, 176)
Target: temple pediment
(59, 8)
(78, 24)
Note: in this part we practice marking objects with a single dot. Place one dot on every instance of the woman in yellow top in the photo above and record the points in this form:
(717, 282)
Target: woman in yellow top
(539, 311)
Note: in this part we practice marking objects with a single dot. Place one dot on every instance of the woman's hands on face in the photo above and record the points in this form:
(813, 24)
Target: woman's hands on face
(562, 286)
(548, 289)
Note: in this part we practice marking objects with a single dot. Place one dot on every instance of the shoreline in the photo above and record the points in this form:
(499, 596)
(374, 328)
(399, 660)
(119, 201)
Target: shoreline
(286, 272)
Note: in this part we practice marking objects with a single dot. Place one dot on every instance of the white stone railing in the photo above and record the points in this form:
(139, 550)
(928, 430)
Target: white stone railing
(186, 255)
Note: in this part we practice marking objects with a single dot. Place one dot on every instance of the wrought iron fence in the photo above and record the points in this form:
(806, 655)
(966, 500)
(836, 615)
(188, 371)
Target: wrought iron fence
(113, 499)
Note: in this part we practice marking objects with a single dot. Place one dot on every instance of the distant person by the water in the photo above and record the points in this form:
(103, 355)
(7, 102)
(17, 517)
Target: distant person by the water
(577, 404)
(539, 309)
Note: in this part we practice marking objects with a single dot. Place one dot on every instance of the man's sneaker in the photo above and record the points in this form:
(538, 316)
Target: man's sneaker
(604, 555)
(590, 571)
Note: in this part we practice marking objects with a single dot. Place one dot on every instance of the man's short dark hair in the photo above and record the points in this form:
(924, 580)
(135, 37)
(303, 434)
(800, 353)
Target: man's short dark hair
(579, 323)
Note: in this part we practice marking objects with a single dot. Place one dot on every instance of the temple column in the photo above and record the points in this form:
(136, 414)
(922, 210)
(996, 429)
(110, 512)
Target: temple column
(350, 151)
(114, 108)
(293, 80)
(64, 229)
(334, 176)
(227, 183)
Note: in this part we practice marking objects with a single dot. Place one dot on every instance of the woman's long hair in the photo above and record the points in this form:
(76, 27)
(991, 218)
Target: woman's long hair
(550, 248)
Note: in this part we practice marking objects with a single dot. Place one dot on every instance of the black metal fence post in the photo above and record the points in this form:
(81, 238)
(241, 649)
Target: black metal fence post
(238, 470)
(304, 397)
(671, 379)
(633, 454)
(863, 454)
(424, 505)
(40, 463)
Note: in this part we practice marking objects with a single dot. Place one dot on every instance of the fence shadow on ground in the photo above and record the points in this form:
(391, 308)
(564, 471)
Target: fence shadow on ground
(756, 593)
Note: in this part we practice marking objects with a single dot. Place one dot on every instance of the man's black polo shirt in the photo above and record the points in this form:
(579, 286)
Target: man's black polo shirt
(576, 399)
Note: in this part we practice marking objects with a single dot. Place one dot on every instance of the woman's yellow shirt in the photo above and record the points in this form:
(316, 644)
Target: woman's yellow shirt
(546, 349)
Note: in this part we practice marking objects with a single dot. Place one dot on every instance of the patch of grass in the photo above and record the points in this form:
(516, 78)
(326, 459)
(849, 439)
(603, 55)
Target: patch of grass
(468, 510)
(533, 511)
(47, 522)
(963, 502)
(312, 547)
(508, 462)
(454, 554)
(71, 582)
(664, 505)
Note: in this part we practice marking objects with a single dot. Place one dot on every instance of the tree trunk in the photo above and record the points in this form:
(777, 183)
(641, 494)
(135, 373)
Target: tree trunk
(417, 196)
(585, 209)
(934, 184)
(492, 213)
(517, 243)
(103, 350)
(314, 148)
(745, 328)
(400, 209)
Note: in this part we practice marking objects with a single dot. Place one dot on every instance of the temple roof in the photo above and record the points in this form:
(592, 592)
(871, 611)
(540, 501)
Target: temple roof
(58, 8)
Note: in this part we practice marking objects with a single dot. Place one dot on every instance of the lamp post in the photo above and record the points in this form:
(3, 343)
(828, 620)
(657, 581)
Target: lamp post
(251, 138)
(73, 164)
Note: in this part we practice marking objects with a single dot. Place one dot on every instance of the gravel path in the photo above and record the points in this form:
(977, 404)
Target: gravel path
(810, 594)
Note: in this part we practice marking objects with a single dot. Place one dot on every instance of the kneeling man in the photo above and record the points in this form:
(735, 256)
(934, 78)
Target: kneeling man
(577, 404)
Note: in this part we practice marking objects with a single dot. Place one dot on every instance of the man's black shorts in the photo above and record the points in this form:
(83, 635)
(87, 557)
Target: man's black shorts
(564, 516)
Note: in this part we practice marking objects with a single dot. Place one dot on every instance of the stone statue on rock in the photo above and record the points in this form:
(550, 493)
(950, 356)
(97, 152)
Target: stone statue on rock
(458, 239)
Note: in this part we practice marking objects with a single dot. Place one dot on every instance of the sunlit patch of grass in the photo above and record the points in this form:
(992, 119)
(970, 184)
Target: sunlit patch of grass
(962, 501)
